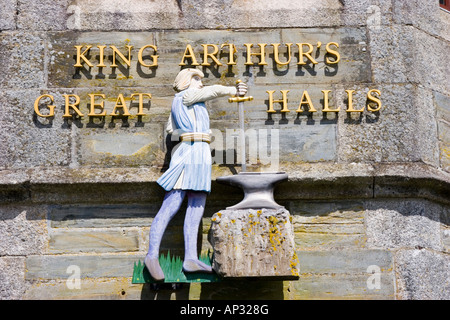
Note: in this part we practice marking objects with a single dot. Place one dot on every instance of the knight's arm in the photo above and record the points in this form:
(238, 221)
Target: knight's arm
(207, 93)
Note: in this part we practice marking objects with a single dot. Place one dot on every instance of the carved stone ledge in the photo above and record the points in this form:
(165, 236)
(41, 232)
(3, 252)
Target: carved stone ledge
(306, 181)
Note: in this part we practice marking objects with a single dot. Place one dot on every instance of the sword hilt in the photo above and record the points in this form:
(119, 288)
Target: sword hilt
(240, 98)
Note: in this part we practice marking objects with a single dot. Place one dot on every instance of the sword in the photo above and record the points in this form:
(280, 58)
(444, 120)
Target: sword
(240, 100)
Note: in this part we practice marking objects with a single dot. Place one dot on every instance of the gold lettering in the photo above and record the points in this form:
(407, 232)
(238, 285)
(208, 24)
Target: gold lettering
(189, 53)
(306, 100)
(120, 104)
(231, 52)
(141, 102)
(283, 101)
(116, 51)
(211, 55)
(100, 105)
(326, 108)
(50, 107)
(101, 57)
(261, 54)
(374, 99)
(154, 57)
(80, 55)
(73, 106)
(350, 102)
(333, 52)
(307, 53)
(277, 58)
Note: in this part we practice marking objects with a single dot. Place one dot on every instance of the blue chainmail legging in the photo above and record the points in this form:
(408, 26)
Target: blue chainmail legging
(171, 204)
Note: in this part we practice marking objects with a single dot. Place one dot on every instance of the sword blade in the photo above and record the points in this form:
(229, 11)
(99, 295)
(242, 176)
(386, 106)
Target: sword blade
(242, 134)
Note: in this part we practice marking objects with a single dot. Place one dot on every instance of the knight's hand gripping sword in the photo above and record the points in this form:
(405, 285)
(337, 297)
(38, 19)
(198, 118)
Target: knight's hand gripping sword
(240, 99)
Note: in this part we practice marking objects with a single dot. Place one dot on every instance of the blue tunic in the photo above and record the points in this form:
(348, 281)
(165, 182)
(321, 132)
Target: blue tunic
(192, 157)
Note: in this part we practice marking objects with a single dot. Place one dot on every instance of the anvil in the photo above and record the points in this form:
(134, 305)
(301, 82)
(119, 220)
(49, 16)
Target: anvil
(258, 188)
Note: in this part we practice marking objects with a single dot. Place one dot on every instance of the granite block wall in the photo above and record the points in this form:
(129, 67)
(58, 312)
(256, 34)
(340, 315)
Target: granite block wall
(368, 192)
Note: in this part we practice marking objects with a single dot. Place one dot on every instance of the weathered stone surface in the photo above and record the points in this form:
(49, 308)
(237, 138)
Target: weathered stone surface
(436, 60)
(344, 261)
(112, 15)
(410, 223)
(253, 243)
(445, 236)
(423, 275)
(102, 216)
(445, 229)
(29, 141)
(367, 12)
(321, 212)
(131, 149)
(275, 138)
(256, 14)
(427, 145)
(93, 240)
(94, 289)
(410, 180)
(8, 15)
(101, 196)
(444, 144)
(13, 187)
(369, 136)
(22, 60)
(391, 53)
(301, 143)
(306, 181)
(329, 239)
(189, 14)
(91, 266)
(422, 14)
(95, 193)
(43, 14)
(344, 274)
(119, 288)
(116, 15)
(173, 239)
(402, 54)
(23, 230)
(326, 226)
(75, 176)
(12, 280)
(341, 287)
(442, 106)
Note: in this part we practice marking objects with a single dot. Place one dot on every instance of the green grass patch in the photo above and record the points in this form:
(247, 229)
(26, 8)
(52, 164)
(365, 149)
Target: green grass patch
(173, 271)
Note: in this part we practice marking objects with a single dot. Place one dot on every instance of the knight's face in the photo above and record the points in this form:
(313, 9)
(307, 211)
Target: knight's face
(196, 82)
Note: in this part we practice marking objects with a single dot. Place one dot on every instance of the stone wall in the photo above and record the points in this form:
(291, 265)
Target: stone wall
(368, 193)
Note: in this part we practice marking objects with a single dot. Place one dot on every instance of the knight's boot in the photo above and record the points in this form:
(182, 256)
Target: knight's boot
(154, 268)
(190, 265)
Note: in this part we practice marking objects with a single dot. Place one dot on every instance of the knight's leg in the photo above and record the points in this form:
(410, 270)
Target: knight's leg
(194, 213)
(170, 206)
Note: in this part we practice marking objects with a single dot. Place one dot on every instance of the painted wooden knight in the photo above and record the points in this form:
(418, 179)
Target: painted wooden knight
(189, 172)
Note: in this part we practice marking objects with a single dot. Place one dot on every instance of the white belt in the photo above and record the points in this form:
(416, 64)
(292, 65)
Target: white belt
(196, 136)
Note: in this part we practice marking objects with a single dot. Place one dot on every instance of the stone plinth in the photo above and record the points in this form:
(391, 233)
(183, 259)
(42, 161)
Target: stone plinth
(254, 243)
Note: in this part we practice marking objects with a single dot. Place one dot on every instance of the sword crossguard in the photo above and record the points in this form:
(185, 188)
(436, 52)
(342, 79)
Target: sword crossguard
(240, 98)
